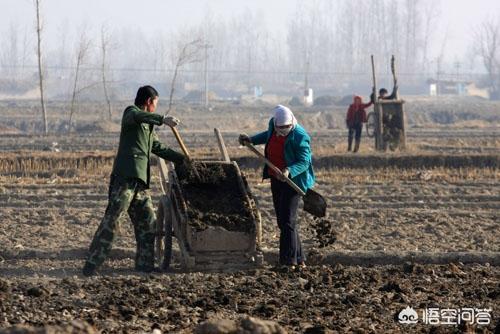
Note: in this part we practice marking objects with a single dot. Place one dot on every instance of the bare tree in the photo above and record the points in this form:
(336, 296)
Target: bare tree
(16, 51)
(431, 16)
(40, 67)
(10, 51)
(487, 39)
(189, 53)
(83, 48)
(412, 19)
(105, 43)
(26, 53)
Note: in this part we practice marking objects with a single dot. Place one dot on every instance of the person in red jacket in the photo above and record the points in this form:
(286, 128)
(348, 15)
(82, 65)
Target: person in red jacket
(356, 116)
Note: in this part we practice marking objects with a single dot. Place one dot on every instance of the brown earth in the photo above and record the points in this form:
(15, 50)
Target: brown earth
(441, 196)
(340, 299)
(48, 221)
(214, 197)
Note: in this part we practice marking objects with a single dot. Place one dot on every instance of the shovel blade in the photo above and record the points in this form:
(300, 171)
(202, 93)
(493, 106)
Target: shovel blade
(314, 203)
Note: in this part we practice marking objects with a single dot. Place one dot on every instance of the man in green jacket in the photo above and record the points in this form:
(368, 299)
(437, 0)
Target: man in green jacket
(129, 183)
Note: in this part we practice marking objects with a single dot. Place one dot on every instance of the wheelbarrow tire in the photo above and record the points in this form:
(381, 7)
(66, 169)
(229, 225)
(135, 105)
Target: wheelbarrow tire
(168, 234)
(370, 125)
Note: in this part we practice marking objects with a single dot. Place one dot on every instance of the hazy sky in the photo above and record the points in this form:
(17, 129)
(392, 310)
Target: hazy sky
(457, 16)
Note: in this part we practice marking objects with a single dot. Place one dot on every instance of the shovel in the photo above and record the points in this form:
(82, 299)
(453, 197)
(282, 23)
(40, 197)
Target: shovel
(185, 151)
(314, 203)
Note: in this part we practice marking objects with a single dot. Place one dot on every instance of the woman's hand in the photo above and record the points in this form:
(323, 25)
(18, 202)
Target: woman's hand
(244, 139)
(285, 173)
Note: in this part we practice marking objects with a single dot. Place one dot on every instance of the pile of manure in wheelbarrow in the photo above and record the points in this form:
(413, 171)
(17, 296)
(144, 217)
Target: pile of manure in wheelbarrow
(214, 197)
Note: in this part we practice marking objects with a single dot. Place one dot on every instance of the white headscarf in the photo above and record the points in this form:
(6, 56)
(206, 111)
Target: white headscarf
(284, 116)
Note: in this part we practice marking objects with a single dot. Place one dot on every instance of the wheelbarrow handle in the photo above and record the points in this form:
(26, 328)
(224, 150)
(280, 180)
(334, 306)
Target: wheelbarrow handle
(274, 168)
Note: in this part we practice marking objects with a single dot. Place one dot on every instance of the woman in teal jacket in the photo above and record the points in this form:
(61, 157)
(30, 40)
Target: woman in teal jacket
(288, 147)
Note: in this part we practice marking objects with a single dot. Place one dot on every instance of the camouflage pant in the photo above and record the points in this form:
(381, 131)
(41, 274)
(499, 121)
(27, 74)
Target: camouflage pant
(126, 195)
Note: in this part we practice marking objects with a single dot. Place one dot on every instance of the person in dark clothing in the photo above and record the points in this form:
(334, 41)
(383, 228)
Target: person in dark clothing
(356, 116)
(382, 93)
(129, 182)
(288, 147)
(391, 129)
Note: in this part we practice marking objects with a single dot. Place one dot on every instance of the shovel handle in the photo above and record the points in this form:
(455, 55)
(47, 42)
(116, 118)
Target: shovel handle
(181, 143)
(184, 149)
(274, 168)
(374, 79)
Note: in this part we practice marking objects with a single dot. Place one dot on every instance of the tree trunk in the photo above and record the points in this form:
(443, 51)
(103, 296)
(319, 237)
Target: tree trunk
(40, 67)
(73, 98)
(172, 88)
(104, 45)
(106, 95)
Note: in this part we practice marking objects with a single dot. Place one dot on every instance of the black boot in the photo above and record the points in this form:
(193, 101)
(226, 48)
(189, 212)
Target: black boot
(356, 146)
(349, 145)
(89, 269)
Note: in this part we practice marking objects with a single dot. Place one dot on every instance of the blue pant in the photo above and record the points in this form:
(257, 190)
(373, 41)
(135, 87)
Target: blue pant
(286, 202)
(354, 131)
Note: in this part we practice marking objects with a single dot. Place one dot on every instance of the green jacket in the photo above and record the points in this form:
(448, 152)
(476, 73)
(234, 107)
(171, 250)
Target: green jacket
(137, 141)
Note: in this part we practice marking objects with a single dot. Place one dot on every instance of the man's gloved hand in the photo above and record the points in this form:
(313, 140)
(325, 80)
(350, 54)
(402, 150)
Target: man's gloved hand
(170, 121)
(244, 139)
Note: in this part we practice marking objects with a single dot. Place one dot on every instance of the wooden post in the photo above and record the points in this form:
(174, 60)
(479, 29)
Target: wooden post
(378, 112)
(164, 184)
(222, 146)
(402, 138)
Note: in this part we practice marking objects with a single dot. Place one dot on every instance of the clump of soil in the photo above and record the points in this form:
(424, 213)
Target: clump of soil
(325, 233)
(214, 197)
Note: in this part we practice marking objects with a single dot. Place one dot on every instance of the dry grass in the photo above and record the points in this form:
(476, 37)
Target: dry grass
(25, 163)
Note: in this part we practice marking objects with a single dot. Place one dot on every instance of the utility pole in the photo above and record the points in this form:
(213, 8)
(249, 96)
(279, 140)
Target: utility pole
(458, 65)
(438, 75)
(306, 79)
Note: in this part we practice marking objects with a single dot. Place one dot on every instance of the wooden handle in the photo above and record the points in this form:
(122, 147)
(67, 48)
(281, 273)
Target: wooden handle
(184, 149)
(394, 77)
(181, 143)
(163, 176)
(393, 67)
(274, 168)
(374, 78)
(222, 146)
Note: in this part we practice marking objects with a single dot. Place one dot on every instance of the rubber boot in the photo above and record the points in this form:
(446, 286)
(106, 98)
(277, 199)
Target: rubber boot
(356, 146)
(89, 269)
(349, 145)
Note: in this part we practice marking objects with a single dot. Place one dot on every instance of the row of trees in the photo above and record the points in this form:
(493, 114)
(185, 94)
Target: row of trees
(327, 43)
(487, 48)
(340, 36)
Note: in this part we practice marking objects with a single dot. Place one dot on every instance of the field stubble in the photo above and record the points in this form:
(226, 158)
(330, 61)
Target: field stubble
(52, 203)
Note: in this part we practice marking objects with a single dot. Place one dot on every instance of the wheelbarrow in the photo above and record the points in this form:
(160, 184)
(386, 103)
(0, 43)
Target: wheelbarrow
(220, 243)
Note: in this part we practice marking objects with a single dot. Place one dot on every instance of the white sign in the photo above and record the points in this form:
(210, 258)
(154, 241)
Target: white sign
(446, 316)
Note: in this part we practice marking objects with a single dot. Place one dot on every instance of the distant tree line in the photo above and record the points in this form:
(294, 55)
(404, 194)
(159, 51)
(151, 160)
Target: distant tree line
(326, 45)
